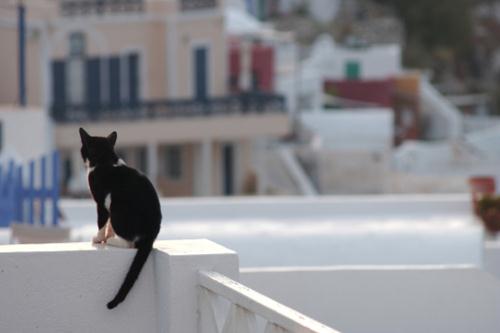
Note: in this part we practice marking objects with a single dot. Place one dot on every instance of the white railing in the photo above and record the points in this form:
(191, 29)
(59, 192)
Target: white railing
(249, 311)
(296, 171)
(446, 116)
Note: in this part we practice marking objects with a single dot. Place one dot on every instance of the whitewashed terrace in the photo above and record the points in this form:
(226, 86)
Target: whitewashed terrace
(298, 231)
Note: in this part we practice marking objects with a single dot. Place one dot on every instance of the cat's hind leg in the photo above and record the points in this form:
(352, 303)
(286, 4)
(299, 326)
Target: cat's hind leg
(104, 233)
(117, 241)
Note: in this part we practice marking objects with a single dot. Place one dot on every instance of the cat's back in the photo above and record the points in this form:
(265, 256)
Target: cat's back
(132, 188)
(126, 177)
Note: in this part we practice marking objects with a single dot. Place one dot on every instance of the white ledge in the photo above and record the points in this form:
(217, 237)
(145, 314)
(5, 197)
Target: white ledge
(65, 287)
(172, 247)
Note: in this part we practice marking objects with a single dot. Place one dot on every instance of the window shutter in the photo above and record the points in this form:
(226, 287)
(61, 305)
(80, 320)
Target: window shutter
(133, 77)
(93, 86)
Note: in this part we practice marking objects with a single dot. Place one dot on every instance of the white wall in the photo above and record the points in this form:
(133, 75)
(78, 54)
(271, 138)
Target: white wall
(387, 299)
(65, 287)
(492, 257)
(328, 60)
(369, 129)
(400, 182)
(352, 172)
(351, 149)
(27, 133)
(445, 166)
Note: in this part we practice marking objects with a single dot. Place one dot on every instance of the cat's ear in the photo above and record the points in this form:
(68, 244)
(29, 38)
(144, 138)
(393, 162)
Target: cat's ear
(112, 138)
(84, 136)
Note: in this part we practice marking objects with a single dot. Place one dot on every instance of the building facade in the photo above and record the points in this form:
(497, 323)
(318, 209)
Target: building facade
(156, 72)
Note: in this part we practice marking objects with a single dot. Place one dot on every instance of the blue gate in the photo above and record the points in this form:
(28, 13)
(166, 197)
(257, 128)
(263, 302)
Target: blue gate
(23, 201)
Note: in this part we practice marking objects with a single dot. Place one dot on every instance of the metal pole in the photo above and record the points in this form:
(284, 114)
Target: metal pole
(21, 10)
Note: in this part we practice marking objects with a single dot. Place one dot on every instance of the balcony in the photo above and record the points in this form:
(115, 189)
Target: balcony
(189, 5)
(251, 103)
(100, 7)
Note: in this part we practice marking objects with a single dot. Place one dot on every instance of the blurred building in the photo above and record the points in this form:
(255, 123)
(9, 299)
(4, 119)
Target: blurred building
(353, 90)
(259, 55)
(322, 11)
(337, 77)
(155, 71)
(331, 61)
(262, 9)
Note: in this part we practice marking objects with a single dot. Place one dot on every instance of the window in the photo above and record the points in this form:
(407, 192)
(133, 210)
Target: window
(77, 44)
(173, 162)
(200, 65)
(114, 82)
(352, 70)
(75, 88)
(124, 71)
(124, 81)
(187, 5)
(133, 79)
(255, 80)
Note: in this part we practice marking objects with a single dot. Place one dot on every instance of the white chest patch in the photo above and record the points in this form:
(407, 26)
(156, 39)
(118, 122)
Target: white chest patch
(89, 171)
(88, 167)
(107, 202)
(119, 163)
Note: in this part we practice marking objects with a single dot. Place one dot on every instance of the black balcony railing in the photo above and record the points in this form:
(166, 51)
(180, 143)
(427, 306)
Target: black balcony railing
(99, 7)
(250, 103)
(187, 5)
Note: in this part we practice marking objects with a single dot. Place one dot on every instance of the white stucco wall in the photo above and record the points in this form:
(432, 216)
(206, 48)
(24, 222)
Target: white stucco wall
(328, 60)
(492, 257)
(346, 161)
(65, 287)
(368, 129)
(387, 299)
(22, 128)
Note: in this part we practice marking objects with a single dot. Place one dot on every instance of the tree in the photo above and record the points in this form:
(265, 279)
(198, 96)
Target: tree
(433, 26)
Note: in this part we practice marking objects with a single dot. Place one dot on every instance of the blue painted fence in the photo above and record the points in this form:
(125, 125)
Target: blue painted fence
(22, 201)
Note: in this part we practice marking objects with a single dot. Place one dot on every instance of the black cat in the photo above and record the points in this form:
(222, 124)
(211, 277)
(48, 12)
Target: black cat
(128, 208)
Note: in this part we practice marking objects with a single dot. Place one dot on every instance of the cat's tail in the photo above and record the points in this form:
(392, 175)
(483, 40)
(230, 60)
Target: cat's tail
(144, 247)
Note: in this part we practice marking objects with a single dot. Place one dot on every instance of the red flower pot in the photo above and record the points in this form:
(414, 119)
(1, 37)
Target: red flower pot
(480, 187)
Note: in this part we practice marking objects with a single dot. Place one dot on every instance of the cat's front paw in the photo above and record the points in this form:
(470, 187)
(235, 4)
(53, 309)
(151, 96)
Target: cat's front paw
(98, 240)
(100, 236)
